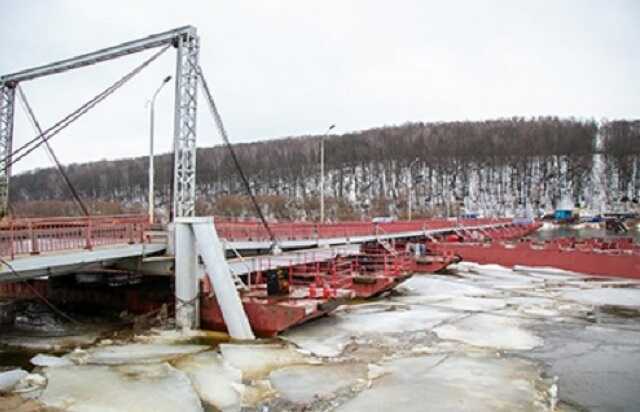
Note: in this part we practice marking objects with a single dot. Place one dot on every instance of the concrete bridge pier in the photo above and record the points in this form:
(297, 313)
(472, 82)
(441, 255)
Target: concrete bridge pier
(197, 236)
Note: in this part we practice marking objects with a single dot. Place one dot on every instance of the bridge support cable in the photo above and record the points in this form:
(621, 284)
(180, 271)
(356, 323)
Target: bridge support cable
(36, 125)
(49, 133)
(220, 126)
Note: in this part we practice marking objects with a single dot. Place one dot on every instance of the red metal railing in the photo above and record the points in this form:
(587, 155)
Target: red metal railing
(254, 231)
(34, 236)
(38, 235)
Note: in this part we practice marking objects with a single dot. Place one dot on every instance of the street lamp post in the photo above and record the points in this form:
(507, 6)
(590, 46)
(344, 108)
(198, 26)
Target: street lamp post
(322, 172)
(410, 200)
(151, 159)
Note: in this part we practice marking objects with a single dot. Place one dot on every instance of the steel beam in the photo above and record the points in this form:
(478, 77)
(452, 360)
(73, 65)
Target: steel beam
(98, 56)
(7, 104)
(184, 135)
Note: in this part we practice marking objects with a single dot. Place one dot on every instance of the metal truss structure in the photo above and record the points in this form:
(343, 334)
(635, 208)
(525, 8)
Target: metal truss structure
(7, 100)
(184, 139)
(186, 41)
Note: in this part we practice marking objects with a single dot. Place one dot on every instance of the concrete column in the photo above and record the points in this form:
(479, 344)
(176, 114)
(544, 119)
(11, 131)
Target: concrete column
(197, 236)
(211, 249)
(186, 276)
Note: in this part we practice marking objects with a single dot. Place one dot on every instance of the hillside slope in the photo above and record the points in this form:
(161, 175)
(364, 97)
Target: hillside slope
(494, 166)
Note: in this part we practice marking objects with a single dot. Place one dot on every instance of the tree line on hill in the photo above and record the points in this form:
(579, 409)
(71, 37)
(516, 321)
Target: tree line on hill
(493, 167)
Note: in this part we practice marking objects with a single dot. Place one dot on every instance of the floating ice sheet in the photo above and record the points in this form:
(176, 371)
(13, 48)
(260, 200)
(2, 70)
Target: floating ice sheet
(48, 360)
(606, 296)
(256, 361)
(140, 353)
(304, 383)
(427, 289)
(457, 383)
(9, 379)
(484, 330)
(158, 387)
(465, 303)
(328, 336)
(213, 379)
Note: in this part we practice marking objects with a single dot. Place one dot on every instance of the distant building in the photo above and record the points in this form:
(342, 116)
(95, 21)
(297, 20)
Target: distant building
(564, 210)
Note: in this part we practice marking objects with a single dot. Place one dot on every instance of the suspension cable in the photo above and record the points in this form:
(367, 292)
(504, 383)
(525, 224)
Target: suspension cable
(36, 125)
(218, 121)
(9, 160)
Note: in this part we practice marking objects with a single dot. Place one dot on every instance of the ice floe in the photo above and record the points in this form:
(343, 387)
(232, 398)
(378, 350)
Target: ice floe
(306, 383)
(257, 360)
(216, 382)
(156, 387)
(49, 360)
(139, 353)
(428, 289)
(9, 379)
(464, 303)
(452, 383)
(491, 331)
(330, 335)
(606, 296)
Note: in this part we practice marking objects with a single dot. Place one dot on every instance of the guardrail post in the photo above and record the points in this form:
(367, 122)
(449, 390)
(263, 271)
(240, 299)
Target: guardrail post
(143, 228)
(12, 249)
(34, 240)
(130, 233)
(88, 235)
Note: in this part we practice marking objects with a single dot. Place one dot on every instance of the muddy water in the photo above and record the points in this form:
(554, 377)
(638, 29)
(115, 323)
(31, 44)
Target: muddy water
(15, 358)
(598, 366)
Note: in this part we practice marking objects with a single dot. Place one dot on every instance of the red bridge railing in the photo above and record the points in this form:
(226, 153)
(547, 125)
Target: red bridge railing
(41, 235)
(35, 236)
(255, 231)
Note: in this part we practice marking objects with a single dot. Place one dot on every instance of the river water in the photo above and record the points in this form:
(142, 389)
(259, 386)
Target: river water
(485, 338)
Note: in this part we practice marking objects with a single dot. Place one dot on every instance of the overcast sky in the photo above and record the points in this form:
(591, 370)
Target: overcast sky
(284, 68)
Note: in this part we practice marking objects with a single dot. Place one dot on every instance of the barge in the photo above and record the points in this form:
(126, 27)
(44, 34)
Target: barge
(597, 257)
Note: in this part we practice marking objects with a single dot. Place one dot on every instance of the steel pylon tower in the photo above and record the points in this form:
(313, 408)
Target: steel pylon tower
(186, 42)
(184, 140)
(7, 100)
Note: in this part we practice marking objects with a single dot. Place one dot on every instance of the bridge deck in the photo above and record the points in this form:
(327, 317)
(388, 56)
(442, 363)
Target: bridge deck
(52, 264)
(241, 245)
